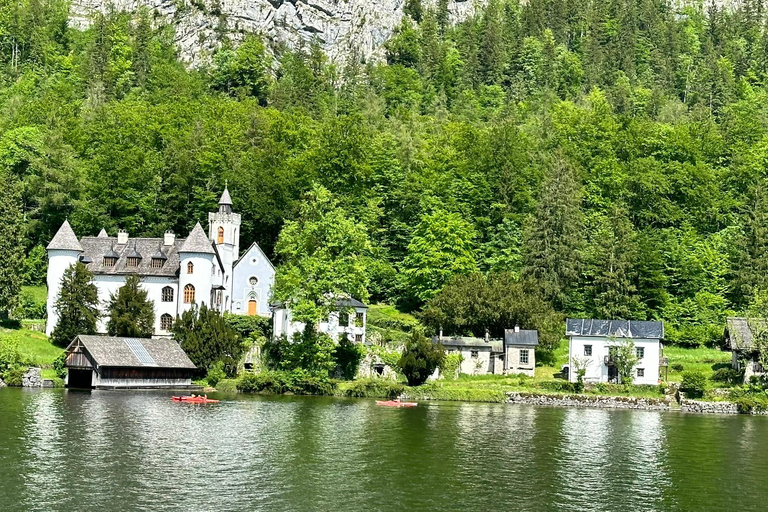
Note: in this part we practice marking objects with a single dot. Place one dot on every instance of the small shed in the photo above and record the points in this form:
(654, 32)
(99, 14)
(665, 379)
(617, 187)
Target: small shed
(520, 351)
(739, 338)
(110, 362)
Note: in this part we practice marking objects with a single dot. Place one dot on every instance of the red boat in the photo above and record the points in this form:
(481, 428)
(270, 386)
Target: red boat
(396, 403)
(194, 399)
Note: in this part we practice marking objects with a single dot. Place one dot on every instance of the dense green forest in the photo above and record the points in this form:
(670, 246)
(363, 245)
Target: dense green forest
(610, 156)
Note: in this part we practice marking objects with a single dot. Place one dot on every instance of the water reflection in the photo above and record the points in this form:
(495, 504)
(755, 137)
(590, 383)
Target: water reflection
(139, 451)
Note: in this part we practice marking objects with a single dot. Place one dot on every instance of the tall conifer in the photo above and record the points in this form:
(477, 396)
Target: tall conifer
(11, 244)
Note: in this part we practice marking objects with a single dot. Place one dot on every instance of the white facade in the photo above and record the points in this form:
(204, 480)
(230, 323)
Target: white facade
(201, 269)
(283, 324)
(596, 351)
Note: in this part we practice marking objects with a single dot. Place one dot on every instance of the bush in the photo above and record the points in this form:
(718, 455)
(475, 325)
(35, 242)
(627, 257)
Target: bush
(14, 376)
(216, 373)
(693, 384)
(561, 386)
(727, 376)
(297, 382)
(451, 364)
(374, 388)
(348, 356)
(29, 309)
(58, 365)
(677, 367)
(747, 404)
(420, 359)
(247, 326)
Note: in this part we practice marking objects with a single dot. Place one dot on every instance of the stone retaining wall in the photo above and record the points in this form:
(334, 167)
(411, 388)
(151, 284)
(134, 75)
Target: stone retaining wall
(32, 379)
(604, 402)
(708, 407)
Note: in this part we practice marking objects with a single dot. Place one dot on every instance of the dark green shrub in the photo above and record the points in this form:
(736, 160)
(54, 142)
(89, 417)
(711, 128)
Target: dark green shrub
(297, 382)
(420, 359)
(374, 388)
(246, 326)
(727, 376)
(748, 404)
(558, 385)
(677, 367)
(58, 365)
(693, 384)
(348, 356)
(29, 309)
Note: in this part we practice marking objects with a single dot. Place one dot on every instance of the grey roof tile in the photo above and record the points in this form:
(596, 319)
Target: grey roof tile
(225, 199)
(114, 352)
(614, 328)
(197, 241)
(103, 233)
(65, 239)
(739, 332)
(521, 337)
(97, 248)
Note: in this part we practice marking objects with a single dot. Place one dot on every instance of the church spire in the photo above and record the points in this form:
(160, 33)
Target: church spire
(225, 203)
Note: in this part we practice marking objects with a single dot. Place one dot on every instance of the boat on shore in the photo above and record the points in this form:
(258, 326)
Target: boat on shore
(194, 399)
(396, 403)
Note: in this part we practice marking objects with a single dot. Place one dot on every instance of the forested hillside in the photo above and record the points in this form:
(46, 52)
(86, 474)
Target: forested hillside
(610, 154)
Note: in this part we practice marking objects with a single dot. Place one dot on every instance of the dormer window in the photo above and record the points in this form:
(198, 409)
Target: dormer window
(109, 261)
(157, 263)
(133, 261)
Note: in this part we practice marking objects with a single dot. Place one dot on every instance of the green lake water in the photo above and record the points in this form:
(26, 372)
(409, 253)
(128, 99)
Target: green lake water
(139, 451)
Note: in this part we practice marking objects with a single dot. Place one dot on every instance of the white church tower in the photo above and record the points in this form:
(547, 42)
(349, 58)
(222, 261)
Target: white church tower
(63, 252)
(224, 232)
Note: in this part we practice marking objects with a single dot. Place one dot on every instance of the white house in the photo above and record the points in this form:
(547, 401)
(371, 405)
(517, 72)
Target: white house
(177, 272)
(350, 319)
(594, 343)
(515, 354)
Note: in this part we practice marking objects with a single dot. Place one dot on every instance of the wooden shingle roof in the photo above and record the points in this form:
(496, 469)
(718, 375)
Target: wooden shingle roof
(114, 351)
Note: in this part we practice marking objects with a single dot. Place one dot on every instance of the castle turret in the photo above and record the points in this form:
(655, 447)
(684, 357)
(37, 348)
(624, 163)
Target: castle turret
(63, 252)
(224, 232)
(196, 264)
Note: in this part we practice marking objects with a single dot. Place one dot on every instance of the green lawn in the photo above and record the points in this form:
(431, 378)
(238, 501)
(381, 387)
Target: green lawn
(33, 345)
(36, 293)
(705, 360)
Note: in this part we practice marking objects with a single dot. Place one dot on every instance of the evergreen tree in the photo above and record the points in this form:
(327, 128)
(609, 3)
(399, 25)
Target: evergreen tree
(11, 244)
(414, 9)
(207, 339)
(492, 51)
(420, 358)
(77, 305)
(443, 15)
(131, 312)
(553, 239)
(614, 291)
(751, 249)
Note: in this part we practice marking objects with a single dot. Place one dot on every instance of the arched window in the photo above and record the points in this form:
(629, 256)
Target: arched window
(189, 294)
(166, 322)
(220, 236)
(167, 294)
(190, 268)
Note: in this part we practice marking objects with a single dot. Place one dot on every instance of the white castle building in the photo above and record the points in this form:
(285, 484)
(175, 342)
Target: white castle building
(176, 272)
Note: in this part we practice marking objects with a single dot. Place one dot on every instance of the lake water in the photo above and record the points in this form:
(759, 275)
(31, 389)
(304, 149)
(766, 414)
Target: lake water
(139, 451)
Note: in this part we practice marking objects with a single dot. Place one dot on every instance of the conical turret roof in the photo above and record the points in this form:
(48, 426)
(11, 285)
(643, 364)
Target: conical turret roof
(197, 241)
(225, 199)
(65, 240)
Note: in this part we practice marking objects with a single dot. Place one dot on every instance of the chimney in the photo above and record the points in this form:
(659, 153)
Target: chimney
(169, 238)
(122, 237)
(517, 328)
(440, 336)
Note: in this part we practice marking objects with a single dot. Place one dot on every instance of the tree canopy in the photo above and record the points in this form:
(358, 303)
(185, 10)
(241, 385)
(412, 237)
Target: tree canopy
(77, 305)
(131, 312)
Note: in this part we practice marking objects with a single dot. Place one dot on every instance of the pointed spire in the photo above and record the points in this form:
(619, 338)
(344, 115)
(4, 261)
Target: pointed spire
(103, 233)
(197, 242)
(65, 240)
(225, 199)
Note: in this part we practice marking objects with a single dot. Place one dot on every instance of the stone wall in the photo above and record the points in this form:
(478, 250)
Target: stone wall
(708, 407)
(32, 379)
(603, 402)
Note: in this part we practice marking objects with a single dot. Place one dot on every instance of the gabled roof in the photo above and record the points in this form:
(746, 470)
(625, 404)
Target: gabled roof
(103, 233)
(113, 351)
(247, 251)
(463, 341)
(521, 337)
(739, 332)
(350, 303)
(197, 242)
(614, 328)
(65, 239)
(225, 199)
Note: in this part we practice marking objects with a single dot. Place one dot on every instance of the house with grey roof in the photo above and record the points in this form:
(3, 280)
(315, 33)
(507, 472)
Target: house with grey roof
(109, 362)
(740, 333)
(514, 354)
(593, 343)
(176, 272)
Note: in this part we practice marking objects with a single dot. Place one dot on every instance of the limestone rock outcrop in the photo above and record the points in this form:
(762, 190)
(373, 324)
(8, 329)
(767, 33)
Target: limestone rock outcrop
(343, 27)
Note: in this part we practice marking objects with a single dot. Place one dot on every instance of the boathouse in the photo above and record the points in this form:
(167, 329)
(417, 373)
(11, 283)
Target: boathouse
(739, 337)
(109, 362)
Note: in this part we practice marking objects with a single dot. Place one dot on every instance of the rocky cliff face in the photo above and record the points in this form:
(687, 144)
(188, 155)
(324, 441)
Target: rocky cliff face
(341, 26)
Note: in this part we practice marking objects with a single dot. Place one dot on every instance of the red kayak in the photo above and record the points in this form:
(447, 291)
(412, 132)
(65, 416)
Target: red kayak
(194, 399)
(396, 403)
